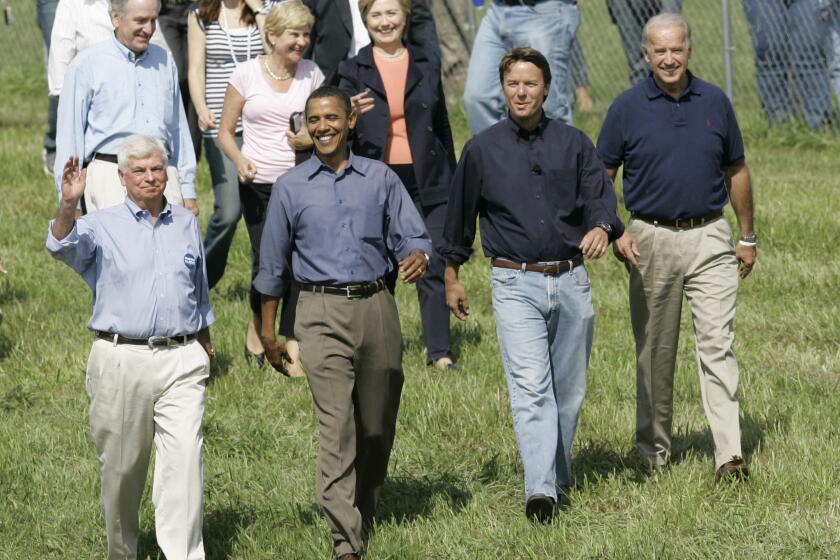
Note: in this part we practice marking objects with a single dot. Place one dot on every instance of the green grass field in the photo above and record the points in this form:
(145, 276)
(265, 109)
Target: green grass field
(455, 490)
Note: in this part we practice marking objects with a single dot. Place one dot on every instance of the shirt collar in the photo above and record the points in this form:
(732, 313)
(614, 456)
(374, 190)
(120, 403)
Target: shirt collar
(140, 214)
(317, 166)
(514, 127)
(653, 91)
(127, 53)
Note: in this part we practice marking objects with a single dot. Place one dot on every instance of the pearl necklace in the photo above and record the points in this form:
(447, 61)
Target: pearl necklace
(273, 75)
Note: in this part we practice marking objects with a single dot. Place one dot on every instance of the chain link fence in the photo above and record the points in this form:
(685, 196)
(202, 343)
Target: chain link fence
(783, 62)
(779, 60)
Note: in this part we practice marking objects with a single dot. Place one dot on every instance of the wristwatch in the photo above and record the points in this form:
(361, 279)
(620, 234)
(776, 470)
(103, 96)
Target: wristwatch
(604, 226)
(750, 240)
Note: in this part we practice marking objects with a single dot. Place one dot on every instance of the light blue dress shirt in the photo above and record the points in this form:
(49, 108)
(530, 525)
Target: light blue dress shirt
(147, 278)
(110, 93)
(337, 229)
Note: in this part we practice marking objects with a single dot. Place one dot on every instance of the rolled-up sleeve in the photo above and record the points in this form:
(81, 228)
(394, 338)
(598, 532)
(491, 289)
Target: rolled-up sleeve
(406, 230)
(462, 210)
(77, 249)
(275, 246)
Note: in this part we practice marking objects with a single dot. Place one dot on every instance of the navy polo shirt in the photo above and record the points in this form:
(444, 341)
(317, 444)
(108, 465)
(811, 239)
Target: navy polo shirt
(674, 151)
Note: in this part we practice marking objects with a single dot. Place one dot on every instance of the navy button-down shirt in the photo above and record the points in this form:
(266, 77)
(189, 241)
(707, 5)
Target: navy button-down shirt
(337, 229)
(536, 194)
(674, 151)
(147, 278)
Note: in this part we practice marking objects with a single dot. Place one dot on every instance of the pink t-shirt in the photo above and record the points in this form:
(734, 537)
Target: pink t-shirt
(265, 116)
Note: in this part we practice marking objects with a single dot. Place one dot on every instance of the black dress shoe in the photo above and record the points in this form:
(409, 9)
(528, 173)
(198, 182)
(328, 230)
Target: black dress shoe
(254, 357)
(539, 508)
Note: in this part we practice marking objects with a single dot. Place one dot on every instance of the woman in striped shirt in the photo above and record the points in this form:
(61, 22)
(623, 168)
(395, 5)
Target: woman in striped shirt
(222, 34)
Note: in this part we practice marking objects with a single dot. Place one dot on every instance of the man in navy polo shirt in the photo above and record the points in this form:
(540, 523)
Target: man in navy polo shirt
(683, 157)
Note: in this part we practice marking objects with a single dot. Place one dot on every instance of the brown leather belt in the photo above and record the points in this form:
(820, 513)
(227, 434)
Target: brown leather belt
(151, 342)
(549, 269)
(351, 291)
(680, 223)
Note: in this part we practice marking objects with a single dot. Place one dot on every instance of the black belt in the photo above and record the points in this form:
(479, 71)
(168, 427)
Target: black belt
(151, 342)
(680, 223)
(351, 291)
(110, 158)
(549, 269)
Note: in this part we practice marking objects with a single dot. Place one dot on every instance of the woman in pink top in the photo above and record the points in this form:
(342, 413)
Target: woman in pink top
(403, 122)
(264, 92)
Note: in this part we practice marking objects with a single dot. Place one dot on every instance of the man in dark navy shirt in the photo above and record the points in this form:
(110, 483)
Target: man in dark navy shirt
(338, 219)
(683, 157)
(545, 203)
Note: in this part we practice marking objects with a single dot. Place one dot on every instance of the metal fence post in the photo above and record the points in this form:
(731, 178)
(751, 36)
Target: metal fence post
(727, 48)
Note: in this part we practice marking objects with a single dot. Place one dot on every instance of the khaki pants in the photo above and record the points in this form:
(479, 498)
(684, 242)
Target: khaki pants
(701, 264)
(140, 396)
(103, 188)
(352, 352)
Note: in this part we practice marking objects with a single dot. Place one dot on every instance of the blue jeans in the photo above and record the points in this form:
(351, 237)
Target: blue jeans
(790, 41)
(549, 27)
(46, 17)
(832, 49)
(630, 17)
(545, 325)
(226, 209)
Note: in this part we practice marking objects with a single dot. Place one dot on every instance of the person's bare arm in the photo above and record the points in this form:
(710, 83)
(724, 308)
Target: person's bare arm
(231, 112)
(739, 183)
(196, 45)
(72, 189)
(275, 350)
(456, 294)
(624, 248)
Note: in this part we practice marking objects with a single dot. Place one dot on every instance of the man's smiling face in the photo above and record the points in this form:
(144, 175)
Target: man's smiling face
(329, 126)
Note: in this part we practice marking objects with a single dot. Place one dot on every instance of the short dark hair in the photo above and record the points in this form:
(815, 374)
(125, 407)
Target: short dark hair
(330, 91)
(525, 54)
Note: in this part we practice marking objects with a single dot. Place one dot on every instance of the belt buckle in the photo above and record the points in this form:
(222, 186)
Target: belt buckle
(550, 269)
(156, 341)
(351, 295)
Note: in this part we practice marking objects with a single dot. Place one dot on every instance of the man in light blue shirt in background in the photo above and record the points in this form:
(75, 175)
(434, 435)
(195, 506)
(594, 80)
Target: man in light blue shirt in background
(143, 259)
(120, 87)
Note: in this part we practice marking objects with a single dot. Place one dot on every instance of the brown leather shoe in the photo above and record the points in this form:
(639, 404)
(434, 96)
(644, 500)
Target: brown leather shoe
(734, 469)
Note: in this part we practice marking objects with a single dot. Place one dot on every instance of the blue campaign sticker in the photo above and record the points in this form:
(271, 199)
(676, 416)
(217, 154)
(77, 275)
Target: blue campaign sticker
(189, 261)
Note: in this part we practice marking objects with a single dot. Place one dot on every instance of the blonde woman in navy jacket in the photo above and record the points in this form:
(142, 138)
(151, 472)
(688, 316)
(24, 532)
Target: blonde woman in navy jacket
(397, 93)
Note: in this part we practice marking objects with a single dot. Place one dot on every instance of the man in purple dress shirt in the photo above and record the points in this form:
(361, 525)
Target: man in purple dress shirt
(337, 219)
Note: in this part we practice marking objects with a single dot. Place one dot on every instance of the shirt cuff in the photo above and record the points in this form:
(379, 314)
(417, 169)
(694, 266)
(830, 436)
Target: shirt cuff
(207, 316)
(188, 190)
(55, 245)
(455, 255)
(415, 245)
(269, 285)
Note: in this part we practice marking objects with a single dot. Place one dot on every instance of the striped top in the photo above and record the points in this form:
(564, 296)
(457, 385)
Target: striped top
(223, 49)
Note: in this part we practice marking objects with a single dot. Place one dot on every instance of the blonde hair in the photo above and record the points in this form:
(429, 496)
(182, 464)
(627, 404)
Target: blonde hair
(289, 14)
(365, 5)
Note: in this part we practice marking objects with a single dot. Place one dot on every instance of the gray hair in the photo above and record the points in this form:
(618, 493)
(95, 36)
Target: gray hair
(138, 146)
(118, 6)
(666, 19)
